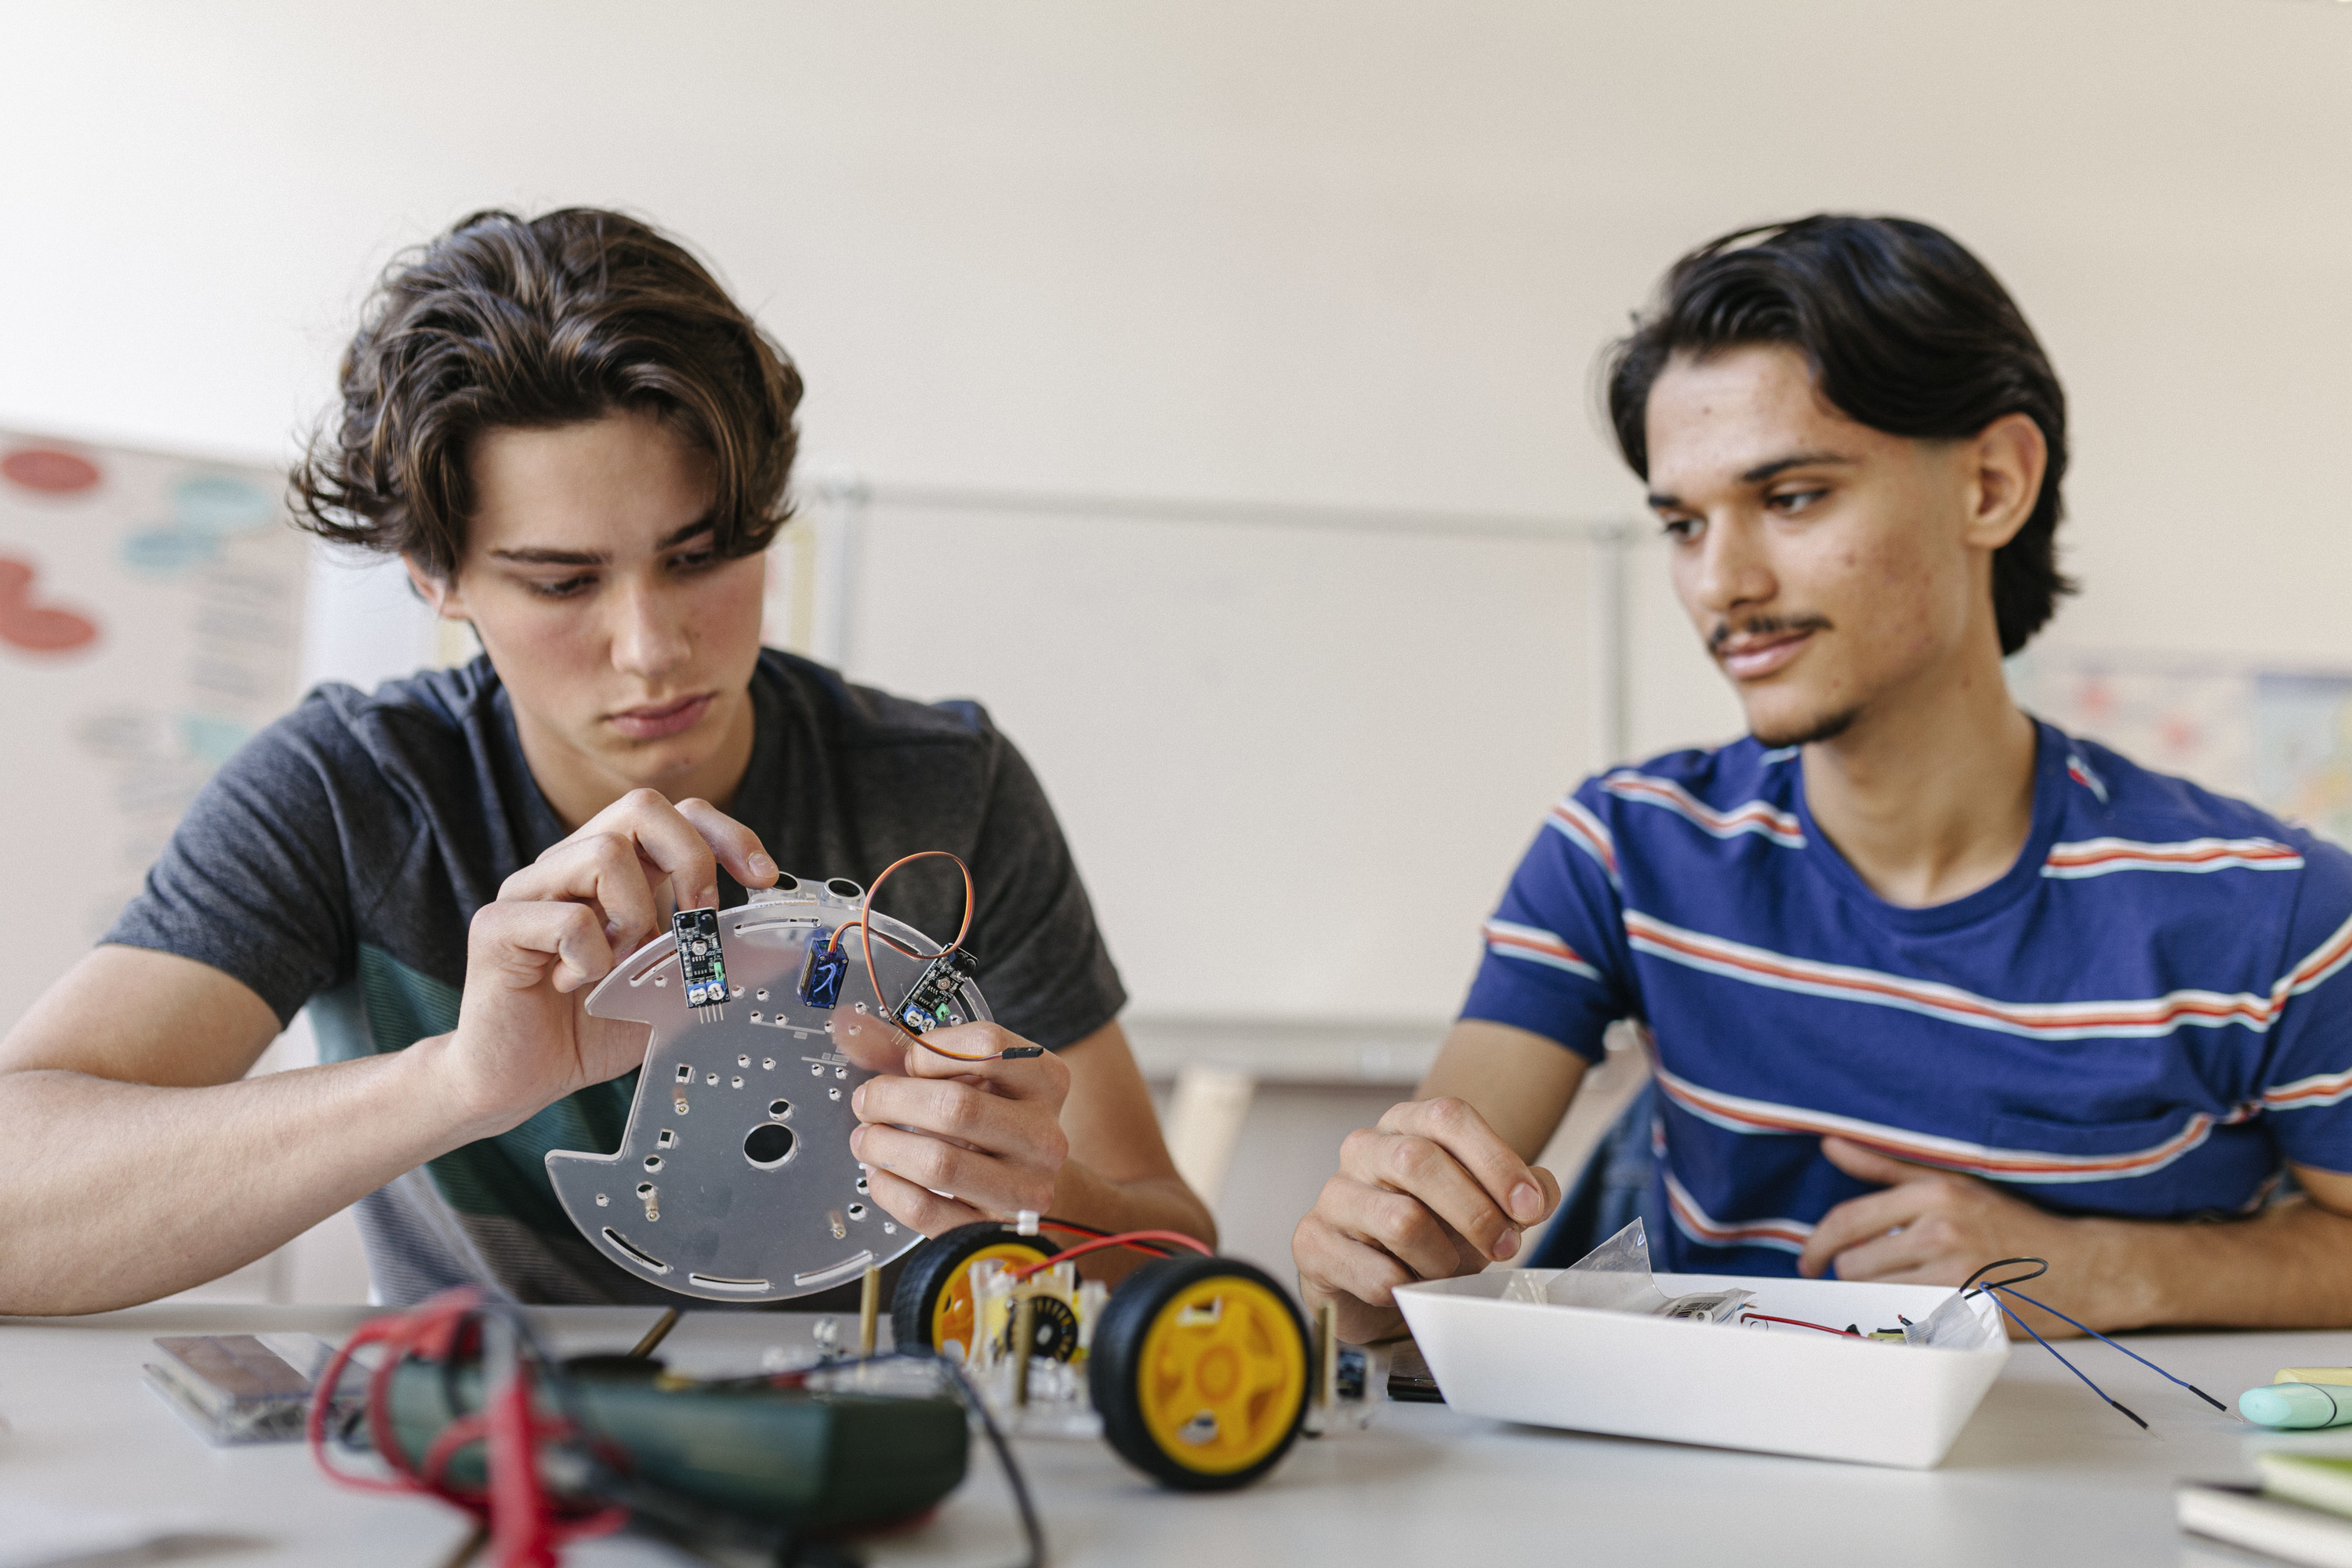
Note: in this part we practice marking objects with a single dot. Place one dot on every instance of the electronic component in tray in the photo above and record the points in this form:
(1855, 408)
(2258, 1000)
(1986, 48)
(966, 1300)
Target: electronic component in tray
(702, 959)
(934, 1003)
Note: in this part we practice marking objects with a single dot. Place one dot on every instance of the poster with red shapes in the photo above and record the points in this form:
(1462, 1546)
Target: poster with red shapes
(150, 619)
(2278, 735)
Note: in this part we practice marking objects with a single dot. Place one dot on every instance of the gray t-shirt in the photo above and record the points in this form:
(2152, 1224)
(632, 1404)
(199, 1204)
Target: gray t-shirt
(338, 858)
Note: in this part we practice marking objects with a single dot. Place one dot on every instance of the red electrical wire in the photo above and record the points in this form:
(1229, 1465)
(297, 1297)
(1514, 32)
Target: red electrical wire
(429, 1332)
(526, 1525)
(523, 1526)
(1074, 1227)
(1124, 1238)
(1799, 1323)
(1050, 1223)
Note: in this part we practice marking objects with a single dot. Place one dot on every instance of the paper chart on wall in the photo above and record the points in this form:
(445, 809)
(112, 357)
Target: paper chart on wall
(150, 615)
(2281, 738)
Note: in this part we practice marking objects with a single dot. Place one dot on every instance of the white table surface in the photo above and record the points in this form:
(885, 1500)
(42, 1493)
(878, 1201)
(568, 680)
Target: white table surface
(2044, 1473)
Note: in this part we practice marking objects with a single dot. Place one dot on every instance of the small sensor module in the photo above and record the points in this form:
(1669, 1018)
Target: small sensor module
(828, 965)
(702, 959)
(933, 1002)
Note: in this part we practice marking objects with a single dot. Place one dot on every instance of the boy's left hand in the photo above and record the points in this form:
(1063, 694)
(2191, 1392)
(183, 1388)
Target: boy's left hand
(1926, 1228)
(948, 1142)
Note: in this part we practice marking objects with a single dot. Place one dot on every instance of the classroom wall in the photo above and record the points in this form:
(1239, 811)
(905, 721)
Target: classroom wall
(1336, 251)
(1340, 251)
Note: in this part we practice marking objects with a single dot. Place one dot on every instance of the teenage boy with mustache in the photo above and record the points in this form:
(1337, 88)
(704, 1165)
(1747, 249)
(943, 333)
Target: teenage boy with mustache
(1929, 982)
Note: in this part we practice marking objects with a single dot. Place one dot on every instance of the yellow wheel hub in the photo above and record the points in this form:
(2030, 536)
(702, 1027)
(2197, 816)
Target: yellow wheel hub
(1221, 1376)
(951, 1314)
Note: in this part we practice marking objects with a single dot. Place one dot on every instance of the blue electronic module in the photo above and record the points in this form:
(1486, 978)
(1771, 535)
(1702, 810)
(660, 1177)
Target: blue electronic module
(828, 965)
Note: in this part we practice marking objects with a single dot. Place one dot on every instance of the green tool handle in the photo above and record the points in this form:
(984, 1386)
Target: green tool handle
(777, 1454)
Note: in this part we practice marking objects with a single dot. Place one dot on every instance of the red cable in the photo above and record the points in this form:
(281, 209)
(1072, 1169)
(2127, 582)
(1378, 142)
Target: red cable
(527, 1525)
(1124, 1238)
(1799, 1323)
(1075, 1228)
(431, 1332)
(316, 1428)
(520, 1525)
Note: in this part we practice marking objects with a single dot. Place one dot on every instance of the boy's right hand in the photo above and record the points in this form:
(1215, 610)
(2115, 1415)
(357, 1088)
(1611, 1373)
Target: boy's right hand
(559, 925)
(1430, 1193)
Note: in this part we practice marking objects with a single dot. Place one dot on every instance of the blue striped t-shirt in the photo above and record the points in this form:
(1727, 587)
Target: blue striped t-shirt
(2147, 1015)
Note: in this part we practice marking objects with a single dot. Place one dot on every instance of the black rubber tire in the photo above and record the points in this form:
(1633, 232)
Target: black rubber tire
(928, 1271)
(1115, 1357)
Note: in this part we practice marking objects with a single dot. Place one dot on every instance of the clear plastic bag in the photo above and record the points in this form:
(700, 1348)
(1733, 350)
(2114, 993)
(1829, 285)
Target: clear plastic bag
(1952, 1327)
(1615, 1277)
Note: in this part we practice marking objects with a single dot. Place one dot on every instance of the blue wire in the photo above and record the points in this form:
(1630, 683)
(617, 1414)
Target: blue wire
(2104, 1341)
(2069, 1366)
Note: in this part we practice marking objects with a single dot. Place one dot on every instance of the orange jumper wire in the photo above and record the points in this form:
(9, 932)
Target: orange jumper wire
(866, 933)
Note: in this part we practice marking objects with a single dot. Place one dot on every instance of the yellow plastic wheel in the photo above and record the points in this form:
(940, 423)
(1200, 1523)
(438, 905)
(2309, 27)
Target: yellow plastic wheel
(1200, 1371)
(932, 1307)
(951, 1314)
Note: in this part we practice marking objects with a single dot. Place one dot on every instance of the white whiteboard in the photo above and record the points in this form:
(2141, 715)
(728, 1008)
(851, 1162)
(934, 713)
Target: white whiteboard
(151, 614)
(1296, 763)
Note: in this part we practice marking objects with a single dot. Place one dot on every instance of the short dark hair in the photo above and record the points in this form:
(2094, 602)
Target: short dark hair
(504, 322)
(1905, 331)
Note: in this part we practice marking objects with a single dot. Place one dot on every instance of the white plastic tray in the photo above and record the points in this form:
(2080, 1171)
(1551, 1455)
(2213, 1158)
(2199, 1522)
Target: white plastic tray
(1780, 1390)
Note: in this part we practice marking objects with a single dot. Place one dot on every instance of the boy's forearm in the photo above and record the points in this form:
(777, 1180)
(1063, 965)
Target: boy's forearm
(2289, 1267)
(128, 1191)
(1154, 1203)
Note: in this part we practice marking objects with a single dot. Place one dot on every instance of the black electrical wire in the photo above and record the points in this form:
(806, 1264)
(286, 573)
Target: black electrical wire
(1030, 1528)
(1968, 1287)
(2008, 1286)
